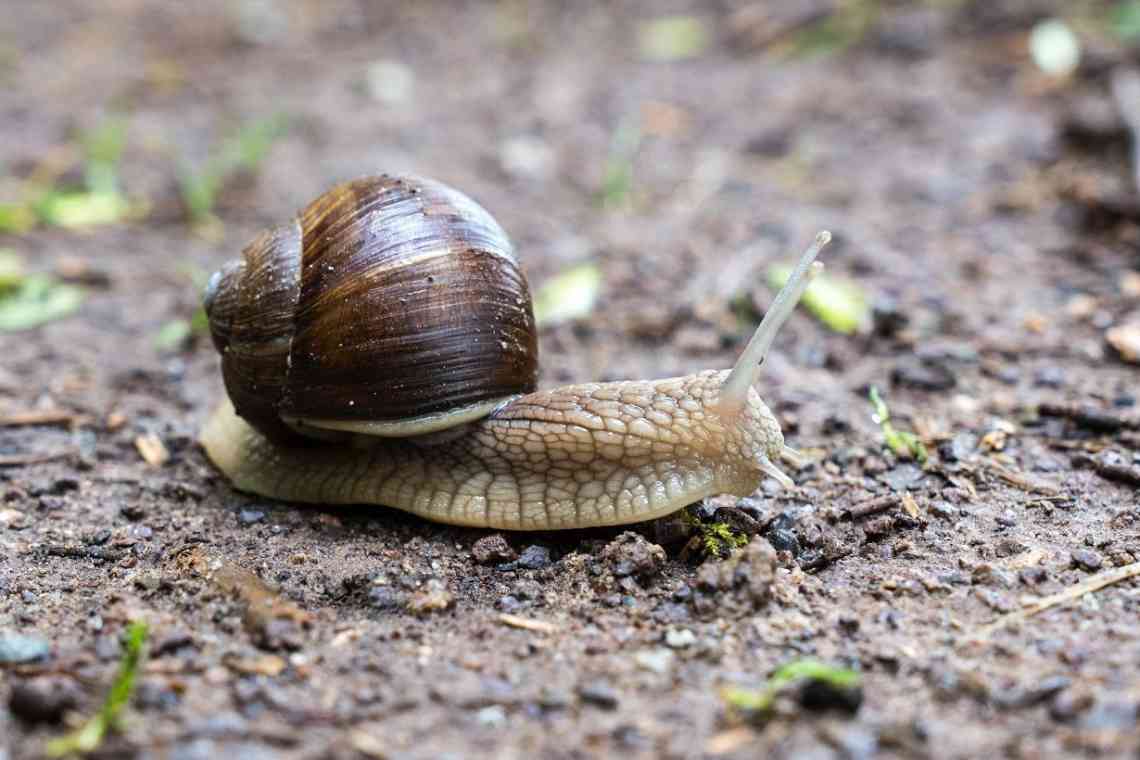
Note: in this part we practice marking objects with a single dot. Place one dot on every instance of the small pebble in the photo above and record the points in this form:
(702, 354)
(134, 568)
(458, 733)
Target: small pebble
(385, 598)
(492, 549)
(819, 695)
(16, 648)
(679, 638)
(1007, 519)
(250, 516)
(1069, 703)
(534, 557)
(132, 512)
(44, 699)
(600, 694)
(1087, 560)
(509, 603)
(783, 540)
(1049, 377)
(932, 375)
(657, 660)
(527, 589)
(631, 555)
(433, 598)
(12, 518)
(492, 716)
(553, 698)
(943, 510)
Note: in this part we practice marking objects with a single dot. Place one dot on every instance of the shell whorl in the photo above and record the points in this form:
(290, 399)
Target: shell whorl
(386, 298)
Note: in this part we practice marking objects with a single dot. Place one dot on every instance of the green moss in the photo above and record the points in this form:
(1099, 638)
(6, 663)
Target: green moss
(718, 539)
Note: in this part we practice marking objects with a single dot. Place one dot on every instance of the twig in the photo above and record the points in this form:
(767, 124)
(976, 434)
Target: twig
(1126, 93)
(527, 624)
(53, 417)
(1118, 471)
(1023, 482)
(1095, 583)
(869, 507)
(1091, 418)
(19, 460)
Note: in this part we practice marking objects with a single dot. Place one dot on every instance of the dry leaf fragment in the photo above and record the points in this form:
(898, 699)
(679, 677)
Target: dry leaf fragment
(152, 449)
(262, 665)
(909, 505)
(527, 624)
(1125, 340)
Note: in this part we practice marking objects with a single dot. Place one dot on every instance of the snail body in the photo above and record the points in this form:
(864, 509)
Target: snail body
(485, 449)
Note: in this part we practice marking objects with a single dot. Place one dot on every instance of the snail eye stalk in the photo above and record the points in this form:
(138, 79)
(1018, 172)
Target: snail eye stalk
(734, 392)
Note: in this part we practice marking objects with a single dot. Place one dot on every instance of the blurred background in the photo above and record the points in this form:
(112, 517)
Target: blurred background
(663, 157)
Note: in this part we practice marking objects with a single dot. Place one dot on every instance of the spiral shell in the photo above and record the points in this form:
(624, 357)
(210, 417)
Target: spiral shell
(389, 305)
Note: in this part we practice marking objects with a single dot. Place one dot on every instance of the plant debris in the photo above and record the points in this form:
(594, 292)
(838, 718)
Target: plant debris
(1125, 340)
(1087, 586)
(760, 701)
(152, 449)
(527, 624)
(902, 443)
(37, 300)
(672, 38)
(713, 539)
(567, 296)
(89, 736)
(839, 304)
(245, 151)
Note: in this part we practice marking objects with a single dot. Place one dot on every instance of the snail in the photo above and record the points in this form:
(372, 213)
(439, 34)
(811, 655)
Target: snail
(380, 348)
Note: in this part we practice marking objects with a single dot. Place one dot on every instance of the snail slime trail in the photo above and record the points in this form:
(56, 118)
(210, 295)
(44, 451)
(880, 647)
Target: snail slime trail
(380, 348)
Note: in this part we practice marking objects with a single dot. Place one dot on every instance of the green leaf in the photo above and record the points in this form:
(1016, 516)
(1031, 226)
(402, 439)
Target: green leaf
(200, 322)
(89, 736)
(1124, 20)
(617, 177)
(199, 192)
(172, 335)
(760, 700)
(567, 296)
(252, 143)
(16, 218)
(672, 38)
(103, 148)
(839, 304)
(12, 270)
(75, 209)
(38, 299)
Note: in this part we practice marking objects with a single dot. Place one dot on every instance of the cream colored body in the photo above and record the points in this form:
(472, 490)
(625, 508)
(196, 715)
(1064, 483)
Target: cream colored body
(574, 457)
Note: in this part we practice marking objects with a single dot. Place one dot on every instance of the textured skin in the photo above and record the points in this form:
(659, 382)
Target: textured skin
(573, 457)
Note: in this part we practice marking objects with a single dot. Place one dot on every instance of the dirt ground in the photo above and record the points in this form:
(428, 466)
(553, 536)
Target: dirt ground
(984, 207)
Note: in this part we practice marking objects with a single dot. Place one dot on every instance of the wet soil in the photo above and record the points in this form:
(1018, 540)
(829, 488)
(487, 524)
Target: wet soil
(972, 198)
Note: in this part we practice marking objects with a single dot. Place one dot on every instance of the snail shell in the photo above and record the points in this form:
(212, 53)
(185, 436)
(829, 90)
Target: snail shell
(390, 305)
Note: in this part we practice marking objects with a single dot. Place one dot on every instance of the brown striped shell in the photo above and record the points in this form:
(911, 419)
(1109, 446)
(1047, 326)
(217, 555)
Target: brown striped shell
(391, 305)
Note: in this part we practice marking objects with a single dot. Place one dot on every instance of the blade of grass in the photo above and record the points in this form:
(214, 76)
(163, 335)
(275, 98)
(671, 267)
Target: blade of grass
(617, 178)
(90, 735)
(246, 150)
(103, 149)
(902, 443)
